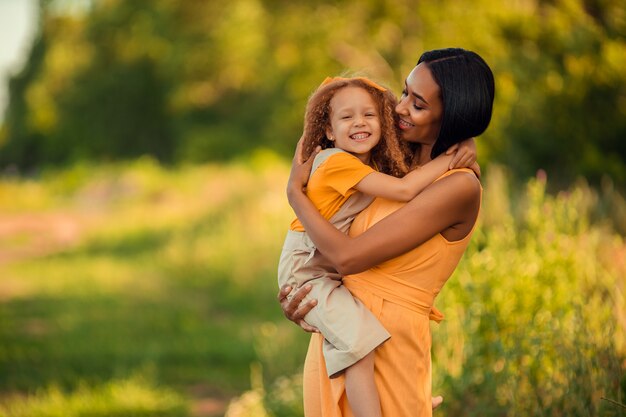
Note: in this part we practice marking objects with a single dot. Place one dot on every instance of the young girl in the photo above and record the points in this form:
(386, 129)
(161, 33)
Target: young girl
(353, 120)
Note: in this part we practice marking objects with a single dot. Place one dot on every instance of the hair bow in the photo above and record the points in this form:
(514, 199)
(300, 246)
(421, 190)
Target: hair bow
(362, 79)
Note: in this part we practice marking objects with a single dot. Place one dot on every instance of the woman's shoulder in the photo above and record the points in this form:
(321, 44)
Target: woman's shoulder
(455, 196)
(468, 174)
(461, 180)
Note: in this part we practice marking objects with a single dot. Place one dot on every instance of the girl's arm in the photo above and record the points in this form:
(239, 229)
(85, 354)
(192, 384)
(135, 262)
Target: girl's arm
(450, 205)
(462, 155)
(406, 188)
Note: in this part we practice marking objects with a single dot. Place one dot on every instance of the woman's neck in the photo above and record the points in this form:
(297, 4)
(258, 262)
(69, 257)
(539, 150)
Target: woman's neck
(422, 155)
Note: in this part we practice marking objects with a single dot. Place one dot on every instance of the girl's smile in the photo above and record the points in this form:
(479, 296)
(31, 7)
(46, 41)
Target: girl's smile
(354, 122)
(360, 136)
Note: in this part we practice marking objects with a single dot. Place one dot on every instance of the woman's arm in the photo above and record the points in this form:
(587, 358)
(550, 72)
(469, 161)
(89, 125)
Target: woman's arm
(451, 204)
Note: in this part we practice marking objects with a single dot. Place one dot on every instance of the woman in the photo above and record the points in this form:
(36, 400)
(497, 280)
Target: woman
(398, 256)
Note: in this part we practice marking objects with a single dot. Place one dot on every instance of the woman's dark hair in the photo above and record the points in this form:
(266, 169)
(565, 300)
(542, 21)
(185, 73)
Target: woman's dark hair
(467, 90)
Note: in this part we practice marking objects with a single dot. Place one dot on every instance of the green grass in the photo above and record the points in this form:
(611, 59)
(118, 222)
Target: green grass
(170, 269)
(536, 315)
(131, 397)
(161, 283)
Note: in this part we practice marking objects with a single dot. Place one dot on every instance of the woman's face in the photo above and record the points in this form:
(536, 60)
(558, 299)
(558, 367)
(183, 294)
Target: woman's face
(420, 107)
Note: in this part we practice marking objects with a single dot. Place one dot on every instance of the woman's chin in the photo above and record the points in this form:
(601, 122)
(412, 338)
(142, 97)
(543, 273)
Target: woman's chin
(408, 136)
(412, 137)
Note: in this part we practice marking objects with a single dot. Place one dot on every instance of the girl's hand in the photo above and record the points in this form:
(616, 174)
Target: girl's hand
(465, 154)
(295, 309)
(476, 168)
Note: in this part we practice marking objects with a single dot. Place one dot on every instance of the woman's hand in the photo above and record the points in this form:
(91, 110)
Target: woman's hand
(294, 309)
(464, 155)
(476, 168)
(300, 169)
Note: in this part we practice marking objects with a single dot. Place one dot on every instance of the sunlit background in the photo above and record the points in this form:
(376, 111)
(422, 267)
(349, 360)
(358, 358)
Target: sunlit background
(18, 25)
(144, 151)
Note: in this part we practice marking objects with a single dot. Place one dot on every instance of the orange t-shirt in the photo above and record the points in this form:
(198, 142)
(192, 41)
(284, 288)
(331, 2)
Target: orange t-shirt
(333, 183)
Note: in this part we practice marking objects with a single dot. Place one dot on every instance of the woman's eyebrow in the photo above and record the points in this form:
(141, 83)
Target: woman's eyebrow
(417, 96)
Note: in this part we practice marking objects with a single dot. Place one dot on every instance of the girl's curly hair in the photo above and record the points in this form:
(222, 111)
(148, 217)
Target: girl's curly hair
(391, 155)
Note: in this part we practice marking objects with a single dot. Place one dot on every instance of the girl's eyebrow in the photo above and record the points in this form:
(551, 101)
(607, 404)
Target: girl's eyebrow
(349, 108)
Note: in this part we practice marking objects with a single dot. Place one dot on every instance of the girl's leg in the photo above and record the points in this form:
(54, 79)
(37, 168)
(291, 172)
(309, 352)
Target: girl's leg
(361, 388)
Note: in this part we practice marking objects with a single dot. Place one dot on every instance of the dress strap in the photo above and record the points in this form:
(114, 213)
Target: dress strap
(454, 170)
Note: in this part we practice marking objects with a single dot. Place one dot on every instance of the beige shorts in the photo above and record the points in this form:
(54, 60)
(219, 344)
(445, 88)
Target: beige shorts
(350, 330)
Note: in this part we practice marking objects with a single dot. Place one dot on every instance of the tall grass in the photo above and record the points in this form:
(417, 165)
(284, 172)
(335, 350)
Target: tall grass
(131, 397)
(110, 271)
(535, 313)
(536, 318)
(171, 269)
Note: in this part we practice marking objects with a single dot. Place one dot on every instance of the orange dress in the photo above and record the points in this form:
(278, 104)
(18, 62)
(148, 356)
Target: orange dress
(400, 293)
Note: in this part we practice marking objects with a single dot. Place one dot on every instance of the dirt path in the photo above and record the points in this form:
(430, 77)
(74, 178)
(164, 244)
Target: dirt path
(24, 236)
(32, 235)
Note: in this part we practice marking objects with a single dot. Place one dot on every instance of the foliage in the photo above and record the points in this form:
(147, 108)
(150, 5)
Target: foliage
(563, 75)
(111, 269)
(198, 81)
(134, 269)
(535, 313)
(132, 397)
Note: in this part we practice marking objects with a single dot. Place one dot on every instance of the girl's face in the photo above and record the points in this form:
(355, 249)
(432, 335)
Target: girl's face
(354, 122)
(420, 107)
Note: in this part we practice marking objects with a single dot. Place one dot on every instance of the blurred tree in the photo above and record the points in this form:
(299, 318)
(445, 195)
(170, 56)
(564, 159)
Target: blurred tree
(569, 110)
(199, 80)
(23, 142)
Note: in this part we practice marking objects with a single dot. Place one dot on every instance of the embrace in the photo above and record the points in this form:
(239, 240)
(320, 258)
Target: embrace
(384, 213)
